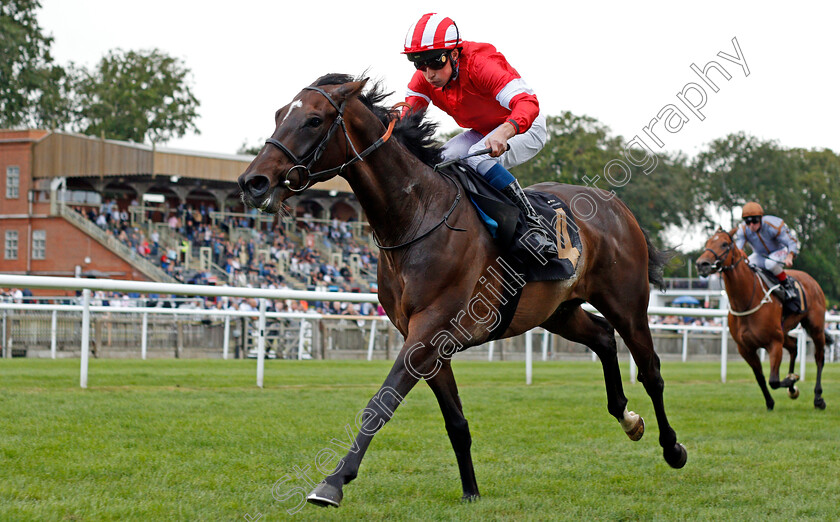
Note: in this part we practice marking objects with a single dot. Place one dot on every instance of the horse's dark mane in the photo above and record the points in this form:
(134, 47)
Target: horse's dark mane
(413, 131)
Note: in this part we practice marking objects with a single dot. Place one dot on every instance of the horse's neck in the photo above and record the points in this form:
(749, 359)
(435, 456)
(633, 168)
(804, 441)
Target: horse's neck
(398, 193)
(741, 285)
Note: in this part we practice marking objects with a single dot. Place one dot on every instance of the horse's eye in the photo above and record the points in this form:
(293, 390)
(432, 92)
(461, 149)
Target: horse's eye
(314, 122)
(725, 245)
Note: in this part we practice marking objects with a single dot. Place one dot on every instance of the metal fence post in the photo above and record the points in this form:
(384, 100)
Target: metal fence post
(5, 340)
(802, 341)
(371, 341)
(144, 336)
(529, 356)
(83, 373)
(724, 337)
(53, 334)
(261, 345)
(545, 345)
(301, 338)
(226, 341)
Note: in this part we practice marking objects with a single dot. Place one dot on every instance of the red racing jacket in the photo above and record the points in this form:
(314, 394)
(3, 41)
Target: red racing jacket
(486, 92)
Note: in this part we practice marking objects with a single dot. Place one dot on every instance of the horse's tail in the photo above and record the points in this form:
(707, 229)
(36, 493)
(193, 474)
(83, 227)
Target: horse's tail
(657, 259)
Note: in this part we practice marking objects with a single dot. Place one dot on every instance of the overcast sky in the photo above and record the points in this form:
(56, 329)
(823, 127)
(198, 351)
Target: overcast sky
(619, 62)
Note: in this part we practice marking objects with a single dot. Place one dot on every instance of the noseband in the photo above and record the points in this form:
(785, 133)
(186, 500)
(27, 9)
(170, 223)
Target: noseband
(719, 258)
(315, 154)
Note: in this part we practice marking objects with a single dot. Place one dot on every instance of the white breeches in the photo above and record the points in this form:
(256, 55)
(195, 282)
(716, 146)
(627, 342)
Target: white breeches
(523, 147)
(775, 262)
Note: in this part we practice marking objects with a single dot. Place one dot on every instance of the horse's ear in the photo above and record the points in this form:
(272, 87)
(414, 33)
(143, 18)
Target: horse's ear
(349, 90)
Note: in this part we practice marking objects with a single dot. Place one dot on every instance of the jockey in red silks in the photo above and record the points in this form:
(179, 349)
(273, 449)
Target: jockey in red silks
(774, 245)
(474, 84)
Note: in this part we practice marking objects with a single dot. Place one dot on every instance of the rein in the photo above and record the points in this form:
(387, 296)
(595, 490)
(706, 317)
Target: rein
(764, 300)
(316, 153)
(440, 223)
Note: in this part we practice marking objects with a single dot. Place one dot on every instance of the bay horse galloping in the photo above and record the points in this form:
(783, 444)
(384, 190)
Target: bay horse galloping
(435, 254)
(756, 319)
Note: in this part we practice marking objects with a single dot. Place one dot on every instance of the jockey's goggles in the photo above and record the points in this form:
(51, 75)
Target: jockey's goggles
(435, 63)
(751, 220)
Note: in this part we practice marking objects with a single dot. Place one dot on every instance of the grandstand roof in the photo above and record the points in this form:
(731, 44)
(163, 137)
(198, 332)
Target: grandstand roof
(61, 154)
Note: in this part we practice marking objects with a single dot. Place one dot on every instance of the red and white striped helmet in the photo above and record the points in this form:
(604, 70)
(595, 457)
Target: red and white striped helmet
(432, 32)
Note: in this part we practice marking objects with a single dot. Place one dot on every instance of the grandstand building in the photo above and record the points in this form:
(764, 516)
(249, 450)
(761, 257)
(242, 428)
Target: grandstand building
(55, 186)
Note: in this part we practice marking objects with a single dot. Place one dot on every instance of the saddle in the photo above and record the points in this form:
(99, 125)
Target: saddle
(789, 306)
(509, 229)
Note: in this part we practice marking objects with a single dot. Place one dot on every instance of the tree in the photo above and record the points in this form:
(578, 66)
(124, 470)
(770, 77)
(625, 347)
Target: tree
(578, 150)
(34, 91)
(800, 186)
(137, 95)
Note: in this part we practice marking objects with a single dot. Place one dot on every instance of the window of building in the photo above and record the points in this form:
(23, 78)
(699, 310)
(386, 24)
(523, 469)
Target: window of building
(12, 182)
(11, 244)
(39, 244)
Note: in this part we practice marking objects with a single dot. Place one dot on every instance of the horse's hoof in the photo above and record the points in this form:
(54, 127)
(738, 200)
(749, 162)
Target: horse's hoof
(792, 377)
(819, 403)
(325, 495)
(633, 424)
(470, 498)
(770, 405)
(678, 457)
(635, 433)
(793, 392)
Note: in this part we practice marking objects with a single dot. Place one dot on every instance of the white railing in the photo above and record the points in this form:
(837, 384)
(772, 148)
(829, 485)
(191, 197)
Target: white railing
(87, 285)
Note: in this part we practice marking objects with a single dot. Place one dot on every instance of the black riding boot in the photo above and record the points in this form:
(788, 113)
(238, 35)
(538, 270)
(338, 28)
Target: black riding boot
(791, 299)
(790, 291)
(545, 244)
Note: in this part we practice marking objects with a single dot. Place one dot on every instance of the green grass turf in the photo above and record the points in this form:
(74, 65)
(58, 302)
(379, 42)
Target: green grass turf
(196, 440)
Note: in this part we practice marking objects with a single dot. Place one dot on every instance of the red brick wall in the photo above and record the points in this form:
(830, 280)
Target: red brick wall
(15, 154)
(66, 246)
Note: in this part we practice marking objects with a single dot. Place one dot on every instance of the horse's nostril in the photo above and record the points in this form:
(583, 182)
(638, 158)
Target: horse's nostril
(258, 186)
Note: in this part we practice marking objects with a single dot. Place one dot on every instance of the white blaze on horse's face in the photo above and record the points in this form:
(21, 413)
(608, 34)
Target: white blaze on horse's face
(294, 105)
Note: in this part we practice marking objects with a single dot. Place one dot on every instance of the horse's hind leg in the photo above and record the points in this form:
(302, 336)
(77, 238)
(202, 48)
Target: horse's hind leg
(817, 334)
(596, 333)
(446, 391)
(631, 322)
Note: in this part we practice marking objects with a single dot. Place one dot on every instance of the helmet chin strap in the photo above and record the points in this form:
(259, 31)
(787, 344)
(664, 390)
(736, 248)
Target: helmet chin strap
(454, 64)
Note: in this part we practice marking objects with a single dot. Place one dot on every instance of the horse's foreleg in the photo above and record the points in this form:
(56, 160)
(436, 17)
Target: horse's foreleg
(775, 351)
(446, 391)
(414, 362)
(792, 348)
(755, 363)
(790, 345)
(598, 335)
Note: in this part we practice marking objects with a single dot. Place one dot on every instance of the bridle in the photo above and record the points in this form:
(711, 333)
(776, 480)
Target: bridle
(720, 267)
(315, 154)
(719, 258)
